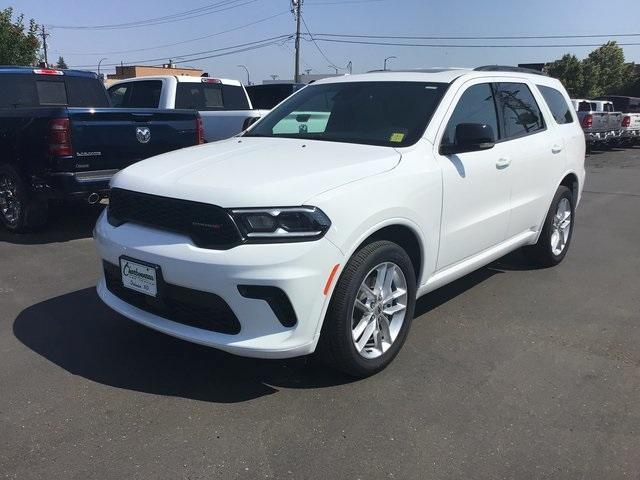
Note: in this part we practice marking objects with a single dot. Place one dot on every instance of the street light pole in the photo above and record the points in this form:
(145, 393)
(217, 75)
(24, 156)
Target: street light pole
(247, 70)
(101, 60)
(385, 62)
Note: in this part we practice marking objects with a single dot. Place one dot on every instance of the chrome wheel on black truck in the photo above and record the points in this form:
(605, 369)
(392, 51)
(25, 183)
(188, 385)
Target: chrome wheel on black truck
(18, 212)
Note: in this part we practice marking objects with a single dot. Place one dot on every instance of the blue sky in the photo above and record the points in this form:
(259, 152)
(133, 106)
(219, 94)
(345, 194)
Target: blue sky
(368, 17)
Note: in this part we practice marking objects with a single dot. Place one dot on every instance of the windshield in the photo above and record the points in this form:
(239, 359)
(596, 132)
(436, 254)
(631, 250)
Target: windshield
(393, 114)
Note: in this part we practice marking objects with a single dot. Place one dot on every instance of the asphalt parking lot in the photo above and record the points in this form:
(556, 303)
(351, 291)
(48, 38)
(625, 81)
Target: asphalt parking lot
(508, 373)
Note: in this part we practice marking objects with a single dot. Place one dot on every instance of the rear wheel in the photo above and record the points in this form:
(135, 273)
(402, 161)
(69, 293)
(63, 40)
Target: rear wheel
(18, 212)
(554, 241)
(371, 310)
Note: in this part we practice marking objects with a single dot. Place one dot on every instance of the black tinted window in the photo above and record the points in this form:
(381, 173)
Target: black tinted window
(519, 110)
(18, 91)
(51, 92)
(584, 107)
(210, 96)
(476, 105)
(559, 107)
(118, 94)
(144, 94)
(86, 92)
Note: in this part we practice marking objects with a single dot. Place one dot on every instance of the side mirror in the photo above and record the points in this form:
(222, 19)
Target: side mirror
(248, 122)
(470, 137)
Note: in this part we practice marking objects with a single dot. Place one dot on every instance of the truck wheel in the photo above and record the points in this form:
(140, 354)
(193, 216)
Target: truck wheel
(371, 310)
(18, 212)
(553, 244)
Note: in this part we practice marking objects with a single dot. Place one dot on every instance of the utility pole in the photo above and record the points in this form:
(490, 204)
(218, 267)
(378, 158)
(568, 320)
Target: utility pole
(296, 9)
(44, 36)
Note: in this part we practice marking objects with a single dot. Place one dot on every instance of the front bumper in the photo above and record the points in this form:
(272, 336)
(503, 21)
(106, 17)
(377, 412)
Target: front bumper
(298, 269)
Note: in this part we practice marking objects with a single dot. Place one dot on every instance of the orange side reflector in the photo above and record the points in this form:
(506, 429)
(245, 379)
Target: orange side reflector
(330, 279)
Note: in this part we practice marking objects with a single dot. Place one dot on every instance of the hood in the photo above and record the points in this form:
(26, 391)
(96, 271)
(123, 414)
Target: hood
(256, 172)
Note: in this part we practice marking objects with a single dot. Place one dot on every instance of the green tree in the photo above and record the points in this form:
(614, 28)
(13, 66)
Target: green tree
(61, 63)
(19, 44)
(592, 83)
(568, 70)
(612, 72)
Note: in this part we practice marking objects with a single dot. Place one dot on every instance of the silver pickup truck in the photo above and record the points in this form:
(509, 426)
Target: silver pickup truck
(630, 108)
(599, 120)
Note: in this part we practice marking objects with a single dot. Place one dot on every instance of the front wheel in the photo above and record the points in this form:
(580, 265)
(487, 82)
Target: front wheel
(554, 241)
(371, 310)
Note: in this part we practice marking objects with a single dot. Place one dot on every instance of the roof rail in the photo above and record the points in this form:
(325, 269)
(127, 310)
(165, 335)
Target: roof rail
(508, 68)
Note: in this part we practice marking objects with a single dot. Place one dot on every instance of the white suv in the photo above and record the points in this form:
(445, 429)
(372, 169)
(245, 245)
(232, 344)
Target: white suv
(317, 229)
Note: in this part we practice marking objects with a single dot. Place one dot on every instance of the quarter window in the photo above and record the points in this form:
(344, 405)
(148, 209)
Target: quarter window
(559, 107)
(476, 105)
(518, 109)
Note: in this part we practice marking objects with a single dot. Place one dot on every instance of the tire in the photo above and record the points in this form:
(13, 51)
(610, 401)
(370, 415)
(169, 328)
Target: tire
(337, 346)
(547, 252)
(19, 213)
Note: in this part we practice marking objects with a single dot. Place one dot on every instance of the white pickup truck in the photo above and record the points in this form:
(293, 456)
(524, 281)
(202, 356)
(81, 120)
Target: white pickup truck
(630, 108)
(223, 104)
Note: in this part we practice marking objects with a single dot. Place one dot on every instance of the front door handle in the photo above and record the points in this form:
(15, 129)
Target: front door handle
(503, 163)
(556, 149)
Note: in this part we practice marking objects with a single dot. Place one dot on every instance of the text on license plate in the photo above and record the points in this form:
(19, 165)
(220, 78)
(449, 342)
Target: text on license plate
(138, 277)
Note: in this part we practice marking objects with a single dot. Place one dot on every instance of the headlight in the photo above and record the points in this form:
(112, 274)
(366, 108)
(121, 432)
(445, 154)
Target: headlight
(260, 225)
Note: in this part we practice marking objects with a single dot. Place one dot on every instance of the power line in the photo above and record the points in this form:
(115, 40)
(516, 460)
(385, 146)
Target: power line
(184, 41)
(187, 15)
(316, 44)
(438, 37)
(346, 2)
(265, 41)
(444, 45)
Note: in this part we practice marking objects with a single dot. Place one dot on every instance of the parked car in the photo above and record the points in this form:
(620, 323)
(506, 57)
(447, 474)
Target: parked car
(280, 243)
(61, 140)
(265, 97)
(601, 124)
(630, 108)
(223, 104)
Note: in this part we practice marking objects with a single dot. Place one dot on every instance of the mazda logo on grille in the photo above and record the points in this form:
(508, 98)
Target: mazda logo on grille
(143, 134)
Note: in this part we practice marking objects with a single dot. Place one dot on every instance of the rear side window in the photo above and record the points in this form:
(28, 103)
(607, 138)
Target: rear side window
(559, 107)
(584, 107)
(51, 92)
(519, 110)
(144, 94)
(476, 105)
(210, 96)
(607, 107)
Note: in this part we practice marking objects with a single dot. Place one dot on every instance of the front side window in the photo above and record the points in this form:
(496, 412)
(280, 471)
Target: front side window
(518, 109)
(476, 105)
(559, 107)
(393, 114)
(145, 94)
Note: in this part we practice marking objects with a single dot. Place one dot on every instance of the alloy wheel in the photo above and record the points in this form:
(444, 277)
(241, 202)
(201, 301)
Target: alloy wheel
(379, 310)
(9, 201)
(561, 227)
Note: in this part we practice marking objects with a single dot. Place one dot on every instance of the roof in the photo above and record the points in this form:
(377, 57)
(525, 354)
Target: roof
(180, 79)
(441, 75)
(30, 70)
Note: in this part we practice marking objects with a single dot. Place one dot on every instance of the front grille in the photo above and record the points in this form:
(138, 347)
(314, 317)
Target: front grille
(209, 226)
(183, 305)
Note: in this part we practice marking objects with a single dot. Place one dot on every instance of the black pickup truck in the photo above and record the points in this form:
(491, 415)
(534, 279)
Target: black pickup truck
(61, 140)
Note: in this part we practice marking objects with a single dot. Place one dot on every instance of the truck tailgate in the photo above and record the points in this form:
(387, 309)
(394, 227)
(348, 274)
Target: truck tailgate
(113, 138)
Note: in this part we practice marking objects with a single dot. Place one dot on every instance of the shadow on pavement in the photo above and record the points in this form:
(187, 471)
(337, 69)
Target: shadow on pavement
(80, 334)
(66, 222)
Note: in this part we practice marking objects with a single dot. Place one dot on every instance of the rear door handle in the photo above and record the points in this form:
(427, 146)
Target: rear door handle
(503, 163)
(556, 149)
